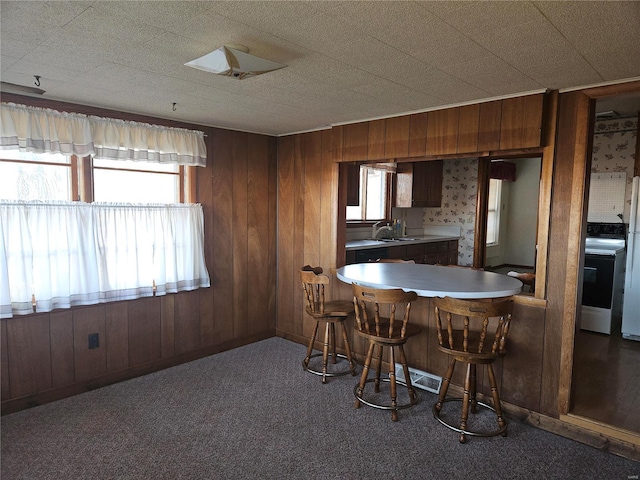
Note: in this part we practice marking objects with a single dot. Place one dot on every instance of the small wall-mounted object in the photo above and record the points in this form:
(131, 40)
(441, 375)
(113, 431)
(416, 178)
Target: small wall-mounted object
(94, 341)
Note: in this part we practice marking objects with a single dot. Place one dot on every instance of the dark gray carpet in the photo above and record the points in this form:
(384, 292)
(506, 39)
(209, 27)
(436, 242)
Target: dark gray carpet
(254, 413)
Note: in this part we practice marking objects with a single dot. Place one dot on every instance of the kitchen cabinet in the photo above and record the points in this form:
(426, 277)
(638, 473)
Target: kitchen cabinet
(353, 184)
(521, 122)
(419, 184)
(442, 131)
(468, 124)
(355, 139)
(508, 124)
(489, 126)
(376, 139)
(442, 253)
(396, 143)
(427, 184)
(418, 135)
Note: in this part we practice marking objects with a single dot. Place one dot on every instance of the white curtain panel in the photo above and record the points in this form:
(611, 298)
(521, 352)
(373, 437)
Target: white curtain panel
(42, 130)
(71, 253)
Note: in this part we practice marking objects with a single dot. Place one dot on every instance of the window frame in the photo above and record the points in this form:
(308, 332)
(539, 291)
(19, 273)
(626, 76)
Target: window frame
(388, 198)
(82, 177)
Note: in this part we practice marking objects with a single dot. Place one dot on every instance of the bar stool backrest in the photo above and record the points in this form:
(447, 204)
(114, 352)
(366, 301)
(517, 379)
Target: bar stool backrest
(382, 312)
(473, 327)
(313, 282)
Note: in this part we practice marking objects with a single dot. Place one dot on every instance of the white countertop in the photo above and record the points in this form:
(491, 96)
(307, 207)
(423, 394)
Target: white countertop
(394, 242)
(431, 280)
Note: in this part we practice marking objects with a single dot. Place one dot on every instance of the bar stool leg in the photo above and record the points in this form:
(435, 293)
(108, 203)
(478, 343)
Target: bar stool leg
(325, 351)
(496, 399)
(347, 347)
(474, 406)
(407, 375)
(445, 385)
(365, 373)
(332, 342)
(310, 347)
(378, 369)
(392, 382)
(465, 404)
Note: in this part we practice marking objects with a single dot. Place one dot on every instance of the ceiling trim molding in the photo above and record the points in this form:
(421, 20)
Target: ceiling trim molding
(597, 85)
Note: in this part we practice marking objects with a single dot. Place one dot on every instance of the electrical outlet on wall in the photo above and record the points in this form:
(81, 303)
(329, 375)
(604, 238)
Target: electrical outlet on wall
(94, 341)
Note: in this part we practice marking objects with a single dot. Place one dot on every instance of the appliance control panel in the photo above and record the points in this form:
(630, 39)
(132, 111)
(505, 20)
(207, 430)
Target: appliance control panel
(606, 230)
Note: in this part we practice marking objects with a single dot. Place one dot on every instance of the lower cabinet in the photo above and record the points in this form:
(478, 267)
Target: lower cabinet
(442, 253)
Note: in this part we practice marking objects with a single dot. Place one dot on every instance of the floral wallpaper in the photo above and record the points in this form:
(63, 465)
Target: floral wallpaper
(614, 150)
(459, 186)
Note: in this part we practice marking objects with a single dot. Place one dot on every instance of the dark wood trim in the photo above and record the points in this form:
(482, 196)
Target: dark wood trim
(482, 199)
(612, 90)
(636, 167)
(341, 217)
(16, 404)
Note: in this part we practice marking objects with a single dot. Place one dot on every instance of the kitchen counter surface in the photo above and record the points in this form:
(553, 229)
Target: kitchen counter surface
(392, 242)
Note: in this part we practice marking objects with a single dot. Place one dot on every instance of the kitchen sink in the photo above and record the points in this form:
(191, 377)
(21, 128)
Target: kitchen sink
(401, 239)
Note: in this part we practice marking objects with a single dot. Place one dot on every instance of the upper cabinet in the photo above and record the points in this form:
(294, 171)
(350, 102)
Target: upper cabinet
(509, 124)
(442, 131)
(419, 184)
(521, 123)
(396, 139)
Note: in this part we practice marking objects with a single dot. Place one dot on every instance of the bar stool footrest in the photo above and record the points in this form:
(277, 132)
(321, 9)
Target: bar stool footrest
(381, 406)
(492, 433)
(337, 373)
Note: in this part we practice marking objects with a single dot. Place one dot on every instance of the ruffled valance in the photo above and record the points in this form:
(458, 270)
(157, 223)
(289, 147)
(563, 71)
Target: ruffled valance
(41, 130)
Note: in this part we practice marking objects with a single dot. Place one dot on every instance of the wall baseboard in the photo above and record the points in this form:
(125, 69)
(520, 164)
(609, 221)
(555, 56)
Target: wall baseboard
(16, 404)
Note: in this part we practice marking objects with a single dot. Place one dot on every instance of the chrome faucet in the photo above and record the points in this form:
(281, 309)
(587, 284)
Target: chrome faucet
(375, 230)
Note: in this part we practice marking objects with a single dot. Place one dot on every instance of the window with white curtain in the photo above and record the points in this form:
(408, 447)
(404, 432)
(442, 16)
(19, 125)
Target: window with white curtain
(56, 253)
(61, 254)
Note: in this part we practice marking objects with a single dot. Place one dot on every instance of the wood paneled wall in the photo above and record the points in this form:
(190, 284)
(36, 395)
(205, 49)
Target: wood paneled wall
(45, 356)
(307, 209)
(307, 228)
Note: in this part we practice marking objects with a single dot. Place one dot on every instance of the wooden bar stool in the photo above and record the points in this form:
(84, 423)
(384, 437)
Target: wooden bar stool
(391, 331)
(330, 312)
(473, 332)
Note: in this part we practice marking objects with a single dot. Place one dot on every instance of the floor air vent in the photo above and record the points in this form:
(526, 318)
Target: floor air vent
(420, 379)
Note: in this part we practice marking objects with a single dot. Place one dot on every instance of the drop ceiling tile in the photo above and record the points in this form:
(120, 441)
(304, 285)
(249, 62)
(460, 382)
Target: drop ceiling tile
(163, 54)
(476, 17)
(278, 18)
(74, 58)
(6, 62)
(12, 47)
(554, 64)
(12, 26)
(590, 23)
(116, 77)
(457, 48)
(398, 94)
(499, 85)
(94, 27)
(503, 41)
(164, 14)
(48, 72)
